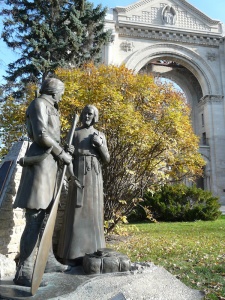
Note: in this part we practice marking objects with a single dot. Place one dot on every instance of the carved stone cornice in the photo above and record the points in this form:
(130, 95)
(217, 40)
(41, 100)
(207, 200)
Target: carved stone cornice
(127, 30)
(124, 9)
(211, 99)
(184, 3)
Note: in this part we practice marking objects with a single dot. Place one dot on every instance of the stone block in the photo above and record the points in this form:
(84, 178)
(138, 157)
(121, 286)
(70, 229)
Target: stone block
(15, 238)
(8, 205)
(11, 189)
(12, 256)
(13, 248)
(6, 224)
(4, 250)
(7, 267)
(5, 232)
(7, 198)
(4, 215)
(19, 222)
(19, 214)
(2, 242)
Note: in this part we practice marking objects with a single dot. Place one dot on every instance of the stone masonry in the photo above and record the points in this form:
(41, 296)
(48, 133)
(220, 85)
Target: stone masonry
(12, 220)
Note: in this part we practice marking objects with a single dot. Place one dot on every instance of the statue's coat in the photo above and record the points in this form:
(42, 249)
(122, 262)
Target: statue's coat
(38, 181)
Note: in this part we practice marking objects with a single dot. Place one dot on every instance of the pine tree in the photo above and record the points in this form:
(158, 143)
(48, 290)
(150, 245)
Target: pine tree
(51, 34)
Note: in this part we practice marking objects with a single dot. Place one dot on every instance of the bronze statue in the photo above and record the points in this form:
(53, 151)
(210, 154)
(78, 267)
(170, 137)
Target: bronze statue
(83, 230)
(39, 177)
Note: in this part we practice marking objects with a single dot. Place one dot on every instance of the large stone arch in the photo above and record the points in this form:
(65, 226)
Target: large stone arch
(197, 81)
(186, 57)
(143, 36)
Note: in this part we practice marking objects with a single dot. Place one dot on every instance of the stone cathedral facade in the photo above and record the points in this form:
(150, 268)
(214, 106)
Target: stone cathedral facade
(167, 38)
(174, 40)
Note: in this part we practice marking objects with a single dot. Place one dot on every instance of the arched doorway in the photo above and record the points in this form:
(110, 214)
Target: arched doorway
(180, 75)
(162, 67)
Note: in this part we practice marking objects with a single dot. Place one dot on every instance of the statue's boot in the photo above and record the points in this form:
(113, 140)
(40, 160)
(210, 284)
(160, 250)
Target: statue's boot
(24, 278)
(24, 271)
(28, 244)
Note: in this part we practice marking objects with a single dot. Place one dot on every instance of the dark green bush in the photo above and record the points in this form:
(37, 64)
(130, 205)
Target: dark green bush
(179, 203)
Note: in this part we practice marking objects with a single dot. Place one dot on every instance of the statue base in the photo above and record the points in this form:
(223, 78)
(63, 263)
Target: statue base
(143, 281)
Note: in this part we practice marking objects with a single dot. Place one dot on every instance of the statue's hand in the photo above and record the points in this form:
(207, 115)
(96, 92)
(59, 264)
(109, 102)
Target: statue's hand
(70, 149)
(66, 158)
(21, 161)
(97, 141)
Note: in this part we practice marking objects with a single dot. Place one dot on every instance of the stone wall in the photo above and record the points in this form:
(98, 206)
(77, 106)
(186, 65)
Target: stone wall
(12, 220)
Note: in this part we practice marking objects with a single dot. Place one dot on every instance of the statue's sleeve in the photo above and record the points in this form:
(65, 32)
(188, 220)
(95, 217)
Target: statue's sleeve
(103, 149)
(39, 121)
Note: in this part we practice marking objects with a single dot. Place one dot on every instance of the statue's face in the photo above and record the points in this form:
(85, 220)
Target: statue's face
(88, 117)
(58, 96)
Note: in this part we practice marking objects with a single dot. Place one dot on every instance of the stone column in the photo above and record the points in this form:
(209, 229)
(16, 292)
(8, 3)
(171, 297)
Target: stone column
(107, 53)
(213, 135)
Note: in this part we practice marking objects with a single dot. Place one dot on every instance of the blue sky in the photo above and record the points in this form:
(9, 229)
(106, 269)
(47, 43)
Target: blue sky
(215, 9)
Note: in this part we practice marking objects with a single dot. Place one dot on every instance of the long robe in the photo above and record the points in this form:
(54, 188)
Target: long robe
(83, 229)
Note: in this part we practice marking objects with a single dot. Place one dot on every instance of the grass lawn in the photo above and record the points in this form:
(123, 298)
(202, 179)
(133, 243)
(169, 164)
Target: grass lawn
(193, 252)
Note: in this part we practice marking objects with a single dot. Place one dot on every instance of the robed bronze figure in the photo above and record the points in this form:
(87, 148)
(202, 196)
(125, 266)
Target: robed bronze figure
(83, 229)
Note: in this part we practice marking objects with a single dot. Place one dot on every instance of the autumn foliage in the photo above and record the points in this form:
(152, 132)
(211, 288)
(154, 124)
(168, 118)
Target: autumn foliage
(148, 130)
(149, 134)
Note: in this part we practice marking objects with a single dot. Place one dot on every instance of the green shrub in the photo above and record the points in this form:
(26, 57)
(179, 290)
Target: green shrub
(179, 203)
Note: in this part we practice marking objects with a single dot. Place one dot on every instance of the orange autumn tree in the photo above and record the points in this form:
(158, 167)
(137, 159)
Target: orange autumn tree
(148, 130)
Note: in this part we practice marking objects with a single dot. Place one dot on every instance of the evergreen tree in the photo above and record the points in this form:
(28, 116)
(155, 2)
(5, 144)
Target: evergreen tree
(51, 34)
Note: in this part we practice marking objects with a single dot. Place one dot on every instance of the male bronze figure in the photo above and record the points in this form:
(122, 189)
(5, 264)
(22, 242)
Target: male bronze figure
(39, 177)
